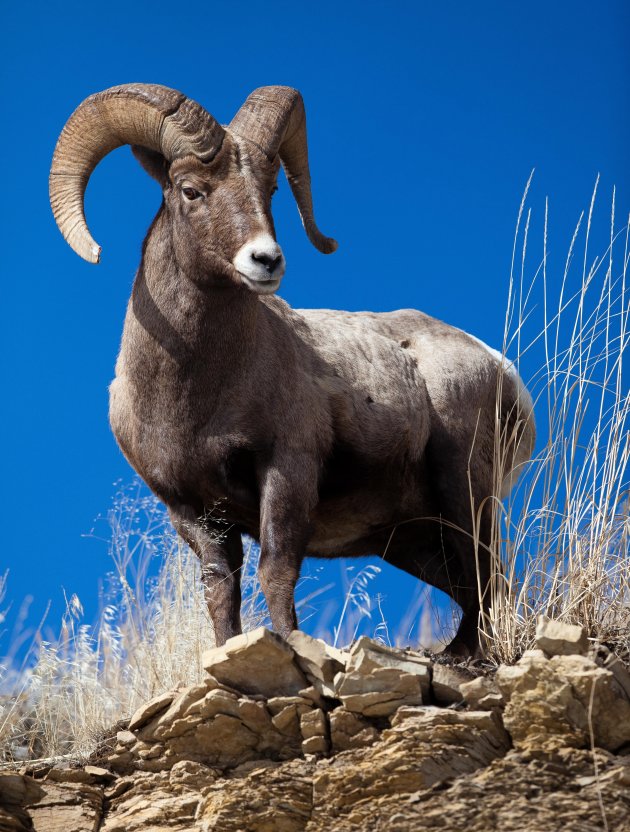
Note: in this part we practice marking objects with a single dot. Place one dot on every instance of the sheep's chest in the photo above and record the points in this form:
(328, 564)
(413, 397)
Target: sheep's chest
(205, 465)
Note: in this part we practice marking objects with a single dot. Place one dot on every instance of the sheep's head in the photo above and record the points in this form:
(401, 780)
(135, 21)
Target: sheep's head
(217, 181)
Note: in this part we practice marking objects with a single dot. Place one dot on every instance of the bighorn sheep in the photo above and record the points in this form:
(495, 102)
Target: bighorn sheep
(321, 432)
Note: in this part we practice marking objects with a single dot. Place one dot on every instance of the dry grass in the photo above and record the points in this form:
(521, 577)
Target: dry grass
(562, 539)
(560, 542)
(149, 638)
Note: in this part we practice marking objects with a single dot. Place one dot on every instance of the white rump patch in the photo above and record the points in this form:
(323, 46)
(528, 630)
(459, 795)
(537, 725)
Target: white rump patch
(525, 406)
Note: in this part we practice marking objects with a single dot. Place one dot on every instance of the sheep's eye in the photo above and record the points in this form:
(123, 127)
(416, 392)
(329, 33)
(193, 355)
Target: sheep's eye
(191, 193)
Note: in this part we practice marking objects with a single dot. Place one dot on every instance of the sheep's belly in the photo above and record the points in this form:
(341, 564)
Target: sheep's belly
(332, 542)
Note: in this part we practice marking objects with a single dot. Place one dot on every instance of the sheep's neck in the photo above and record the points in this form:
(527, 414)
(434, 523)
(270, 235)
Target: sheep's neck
(179, 340)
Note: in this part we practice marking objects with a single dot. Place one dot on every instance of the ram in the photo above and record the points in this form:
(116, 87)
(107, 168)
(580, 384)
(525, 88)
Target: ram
(318, 432)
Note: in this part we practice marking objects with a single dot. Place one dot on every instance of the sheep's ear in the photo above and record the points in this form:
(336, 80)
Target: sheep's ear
(153, 162)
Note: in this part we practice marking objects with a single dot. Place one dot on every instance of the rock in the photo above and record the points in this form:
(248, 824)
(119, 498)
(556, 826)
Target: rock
(150, 709)
(313, 724)
(350, 730)
(319, 661)
(271, 799)
(379, 679)
(256, 662)
(125, 738)
(279, 703)
(236, 763)
(381, 692)
(446, 681)
(314, 730)
(315, 745)
(558, 702)
(559, 639)
(428, 746)
(67, 806)
(603, 699)
(157, 803)
(99, 774)
(511, 794)
(163, 724)
(287, 721)
(313, 695)
(87, 774)
(215, 701)
(618, 669)
(542, 713)
(482, 693)
(367, 655)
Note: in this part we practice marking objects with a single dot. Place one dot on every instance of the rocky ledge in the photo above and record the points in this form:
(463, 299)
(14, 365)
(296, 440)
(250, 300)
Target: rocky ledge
(285, 736)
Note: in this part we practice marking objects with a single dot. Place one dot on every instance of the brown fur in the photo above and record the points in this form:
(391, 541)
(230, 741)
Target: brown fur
(317, 432)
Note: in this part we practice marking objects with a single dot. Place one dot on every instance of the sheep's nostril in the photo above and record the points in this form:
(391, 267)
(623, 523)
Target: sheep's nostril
(269, 261)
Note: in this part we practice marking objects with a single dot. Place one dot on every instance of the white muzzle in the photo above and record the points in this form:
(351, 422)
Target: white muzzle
(261, 264)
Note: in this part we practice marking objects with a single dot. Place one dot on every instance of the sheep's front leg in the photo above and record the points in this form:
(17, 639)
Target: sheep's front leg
(289, 494)
(221, 554)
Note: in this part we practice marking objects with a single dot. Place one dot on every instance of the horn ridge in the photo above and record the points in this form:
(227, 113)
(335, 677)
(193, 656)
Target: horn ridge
(151, 115)
(274, 118)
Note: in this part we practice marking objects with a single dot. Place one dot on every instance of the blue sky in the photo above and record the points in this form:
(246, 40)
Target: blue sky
(425, 120)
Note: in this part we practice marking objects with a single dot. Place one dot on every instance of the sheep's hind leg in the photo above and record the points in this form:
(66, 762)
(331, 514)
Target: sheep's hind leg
(221, 554)
(473, 578)
(444, 557)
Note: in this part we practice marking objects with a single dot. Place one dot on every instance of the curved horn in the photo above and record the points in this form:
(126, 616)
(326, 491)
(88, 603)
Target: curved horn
(150, 115)
(274, 119)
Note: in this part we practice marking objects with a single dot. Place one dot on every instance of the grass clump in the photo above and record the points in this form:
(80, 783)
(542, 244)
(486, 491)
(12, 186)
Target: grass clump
(561, 541)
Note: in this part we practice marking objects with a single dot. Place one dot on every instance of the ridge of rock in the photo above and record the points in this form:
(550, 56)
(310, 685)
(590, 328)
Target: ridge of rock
(296, 736)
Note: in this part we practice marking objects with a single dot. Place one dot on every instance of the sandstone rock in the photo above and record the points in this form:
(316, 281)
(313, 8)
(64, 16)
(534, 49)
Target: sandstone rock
(314, 730)
(601, 696)
(446, 682)
(542, 712)
(162, 724)
(125, 738)
(150, 709)
(367, 655)
(559, 702)
(313, 724)
(429, 745)
(216, 759)
(279, 703)
(312, 694)
(254, 715)
(67, 806)
(192, 774)
(482, 693)
(319, 661)
(215, 701)
(87, 774)
(350, 730)
(559, 639)
(99, 774)
(256, 662)
(287, 721)
(272, 799)
(513, 794)
(381, 692)
(155, 803)
(315, 745)
(618, 669)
